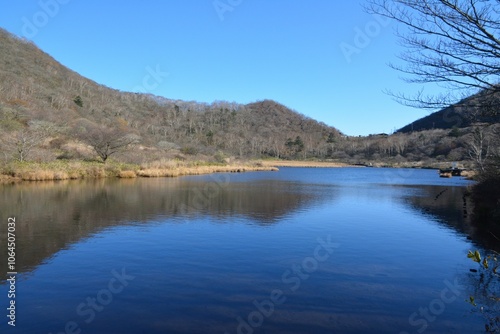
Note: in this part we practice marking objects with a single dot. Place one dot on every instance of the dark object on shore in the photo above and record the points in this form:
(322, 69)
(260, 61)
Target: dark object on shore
(449, 172)
(363, 164)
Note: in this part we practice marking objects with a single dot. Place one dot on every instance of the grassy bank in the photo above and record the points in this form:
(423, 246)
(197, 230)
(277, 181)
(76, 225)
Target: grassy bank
(201, 170)
(336, 164)
(60, 170)
(298, 163)
(78, 169)
(169, 168)
(72, 170)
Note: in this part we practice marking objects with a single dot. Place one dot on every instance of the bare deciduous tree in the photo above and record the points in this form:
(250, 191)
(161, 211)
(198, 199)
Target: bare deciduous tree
(20, 144)
(105, 140)
(479, 146)
(455, 43)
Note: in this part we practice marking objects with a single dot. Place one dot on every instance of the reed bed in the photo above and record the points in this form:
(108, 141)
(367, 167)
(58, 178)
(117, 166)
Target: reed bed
(7, 179)
(308, 164)
(63, 170)
(127, 174)
(200, 170)
(42, 175)
(70, 170)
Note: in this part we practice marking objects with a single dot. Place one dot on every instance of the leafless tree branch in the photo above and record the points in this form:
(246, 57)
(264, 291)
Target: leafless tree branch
(455, 43)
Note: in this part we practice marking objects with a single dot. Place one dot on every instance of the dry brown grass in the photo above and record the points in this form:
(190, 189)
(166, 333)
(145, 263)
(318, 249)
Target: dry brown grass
(161, 164)
(42, 175)
(95, 173)
(309, 164)
(200, 170)
(6, 179)
(83, 170)
(60, 170)
(127, 174)
(74, 175)
(469, 174)
(157, 172)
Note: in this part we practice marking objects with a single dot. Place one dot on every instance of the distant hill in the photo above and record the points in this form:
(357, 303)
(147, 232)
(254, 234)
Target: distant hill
(475, 109)
(35, 89)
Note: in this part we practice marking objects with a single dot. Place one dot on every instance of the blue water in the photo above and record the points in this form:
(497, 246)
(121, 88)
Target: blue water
(354, 250)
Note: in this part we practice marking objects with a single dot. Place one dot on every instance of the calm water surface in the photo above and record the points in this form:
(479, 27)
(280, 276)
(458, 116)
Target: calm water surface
(353, 250)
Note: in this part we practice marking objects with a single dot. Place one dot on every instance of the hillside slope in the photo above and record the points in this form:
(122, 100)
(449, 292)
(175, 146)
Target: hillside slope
(36, 91)
(50, 113)
(475, 109)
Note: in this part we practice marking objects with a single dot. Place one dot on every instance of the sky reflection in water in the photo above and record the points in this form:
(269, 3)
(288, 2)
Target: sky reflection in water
(204, 252)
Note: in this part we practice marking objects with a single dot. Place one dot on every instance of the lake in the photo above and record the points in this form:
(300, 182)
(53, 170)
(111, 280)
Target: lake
(318, 250)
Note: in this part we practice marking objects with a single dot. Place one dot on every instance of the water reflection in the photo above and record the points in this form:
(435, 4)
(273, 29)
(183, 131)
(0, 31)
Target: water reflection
(445, 205)
(53, 215)
(452, 207)
(204, 249)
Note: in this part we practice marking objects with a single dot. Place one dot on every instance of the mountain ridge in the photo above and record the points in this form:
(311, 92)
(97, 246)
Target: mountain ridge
(49, 111)
(477, 108)
(35, 87)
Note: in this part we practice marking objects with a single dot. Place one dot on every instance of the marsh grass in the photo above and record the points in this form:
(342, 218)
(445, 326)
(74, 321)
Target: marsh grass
(296, 163)
(62, 170)
(127, 174)
(72, 170)
(200, 170)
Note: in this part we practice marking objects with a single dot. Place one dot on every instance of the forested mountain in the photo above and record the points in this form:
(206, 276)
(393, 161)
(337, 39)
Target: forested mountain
(475, 109)
(48, 112)
(38, 92)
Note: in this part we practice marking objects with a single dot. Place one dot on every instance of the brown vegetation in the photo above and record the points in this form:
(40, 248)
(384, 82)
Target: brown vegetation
(155, 172)
(127, 174)
(36, 88)
(308, 164)
(91, 170)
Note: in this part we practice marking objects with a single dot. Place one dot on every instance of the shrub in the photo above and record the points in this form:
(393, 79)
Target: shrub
(219, 157)
(190, 150)
(127, 174)
(78, 101)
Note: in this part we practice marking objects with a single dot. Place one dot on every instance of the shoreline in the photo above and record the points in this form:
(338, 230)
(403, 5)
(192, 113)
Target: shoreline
(200, 170)
(305, 164)
(78, 170)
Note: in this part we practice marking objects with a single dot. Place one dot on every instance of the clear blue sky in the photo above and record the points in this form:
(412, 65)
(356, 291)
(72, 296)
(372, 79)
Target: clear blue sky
(308, 55)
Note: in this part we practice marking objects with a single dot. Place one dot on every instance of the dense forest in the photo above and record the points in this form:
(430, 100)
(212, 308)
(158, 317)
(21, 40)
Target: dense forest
(48, 112)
